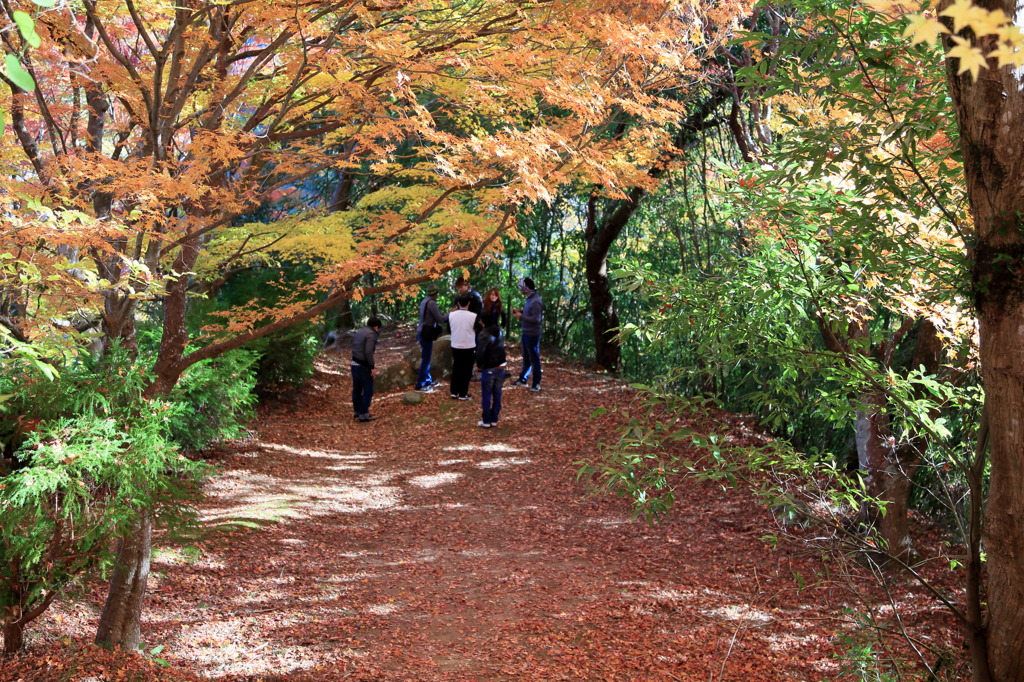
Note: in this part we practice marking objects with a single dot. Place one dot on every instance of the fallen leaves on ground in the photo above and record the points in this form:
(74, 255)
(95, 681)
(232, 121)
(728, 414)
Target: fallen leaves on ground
(421, 547)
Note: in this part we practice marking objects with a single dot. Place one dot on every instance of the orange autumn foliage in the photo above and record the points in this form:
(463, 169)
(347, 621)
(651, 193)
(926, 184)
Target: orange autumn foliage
(155, 126)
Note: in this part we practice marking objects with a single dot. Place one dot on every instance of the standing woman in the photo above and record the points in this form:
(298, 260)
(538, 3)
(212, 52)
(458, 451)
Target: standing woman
(493, 314)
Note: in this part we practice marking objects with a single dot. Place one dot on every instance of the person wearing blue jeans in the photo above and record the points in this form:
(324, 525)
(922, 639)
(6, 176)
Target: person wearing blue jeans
(429, 324)
(490, 360)
(530, 317)
(364, 345)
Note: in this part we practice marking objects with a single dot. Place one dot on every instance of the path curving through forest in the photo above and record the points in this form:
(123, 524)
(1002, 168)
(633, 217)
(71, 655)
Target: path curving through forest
(421, 547)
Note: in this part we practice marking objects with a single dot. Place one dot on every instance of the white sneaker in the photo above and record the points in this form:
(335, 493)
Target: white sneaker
(484, 425)
(425, 389)
(493, 424)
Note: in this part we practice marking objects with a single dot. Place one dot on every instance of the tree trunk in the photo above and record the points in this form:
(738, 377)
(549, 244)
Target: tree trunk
(14, 637)
(600, 236)
(122, 613)
(885, 477)
(990, 117)
(119, 321)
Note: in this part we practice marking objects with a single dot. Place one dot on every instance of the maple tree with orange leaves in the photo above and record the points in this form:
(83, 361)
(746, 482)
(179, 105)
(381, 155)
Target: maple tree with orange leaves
(145, 133)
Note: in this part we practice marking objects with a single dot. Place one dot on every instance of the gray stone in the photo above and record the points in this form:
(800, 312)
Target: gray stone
(394, 377)
(440, 359)
(413, 398)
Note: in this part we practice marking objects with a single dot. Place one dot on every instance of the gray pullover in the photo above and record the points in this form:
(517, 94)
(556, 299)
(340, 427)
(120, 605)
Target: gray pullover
(533, 314)
(430, 314)
(364, 344)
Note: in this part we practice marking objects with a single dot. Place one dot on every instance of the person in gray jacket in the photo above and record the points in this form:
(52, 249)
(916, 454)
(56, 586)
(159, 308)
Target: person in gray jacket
(364, 345)
(531, 317)
(427, 331)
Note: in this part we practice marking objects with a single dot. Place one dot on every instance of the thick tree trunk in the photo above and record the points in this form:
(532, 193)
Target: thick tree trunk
(600, 236)
(122, 613)
(119, 321)
(607, 351)
(14, 637)
(990, 116)
(887, 479)
(1002, 357)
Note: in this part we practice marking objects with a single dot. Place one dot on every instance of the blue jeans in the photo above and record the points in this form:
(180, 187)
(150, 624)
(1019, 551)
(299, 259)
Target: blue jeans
(362, 390)
(426, 350)
(531, 359)
(491, 382)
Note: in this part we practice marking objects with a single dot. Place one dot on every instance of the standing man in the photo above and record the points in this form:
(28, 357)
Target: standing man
(476, 303)
(427, 331)
(463, 324)
(530, 316)
(364, 344)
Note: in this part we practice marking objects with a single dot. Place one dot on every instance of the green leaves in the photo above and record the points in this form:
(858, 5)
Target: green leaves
(17, 73)
(27, 28)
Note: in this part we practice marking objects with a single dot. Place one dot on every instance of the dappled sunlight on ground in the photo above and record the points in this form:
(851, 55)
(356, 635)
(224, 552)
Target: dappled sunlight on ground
(504, 462)
(488, 447)
(434, 480)
(418, 547)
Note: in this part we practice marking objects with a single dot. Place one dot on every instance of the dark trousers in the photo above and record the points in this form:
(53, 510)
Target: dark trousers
(491, 383)
(362, 390)
(531, 359)
(462, 370)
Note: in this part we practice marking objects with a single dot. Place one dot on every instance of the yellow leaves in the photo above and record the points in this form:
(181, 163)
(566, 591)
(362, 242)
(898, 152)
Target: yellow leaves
(971, 58)
(923, 29)
(1008, 47)
(965, 13)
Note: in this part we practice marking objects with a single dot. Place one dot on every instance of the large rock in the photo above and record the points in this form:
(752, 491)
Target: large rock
(440, 359)
(394, 377)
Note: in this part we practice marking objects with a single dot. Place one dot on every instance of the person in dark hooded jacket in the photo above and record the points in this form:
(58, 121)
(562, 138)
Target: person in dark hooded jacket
(490, 360)
(364, 345)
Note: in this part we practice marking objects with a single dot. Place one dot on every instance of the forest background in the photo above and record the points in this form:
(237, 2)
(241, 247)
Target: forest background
(804, 211)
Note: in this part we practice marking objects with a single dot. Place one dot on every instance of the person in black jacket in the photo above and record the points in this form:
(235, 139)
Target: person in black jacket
(364, 344)
(476, 304)
(490, 360)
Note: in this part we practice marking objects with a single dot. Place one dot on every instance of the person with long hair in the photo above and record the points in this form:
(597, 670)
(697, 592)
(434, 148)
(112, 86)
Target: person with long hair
(493, 313)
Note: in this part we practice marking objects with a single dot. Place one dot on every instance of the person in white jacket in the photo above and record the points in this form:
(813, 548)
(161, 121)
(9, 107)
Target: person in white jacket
(463, 323)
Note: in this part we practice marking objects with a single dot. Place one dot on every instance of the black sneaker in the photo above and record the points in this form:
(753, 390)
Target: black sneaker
(367, 418)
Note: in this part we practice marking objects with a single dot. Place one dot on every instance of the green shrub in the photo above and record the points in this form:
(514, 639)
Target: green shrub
(286, 358)
(213, 400)
(89, 453)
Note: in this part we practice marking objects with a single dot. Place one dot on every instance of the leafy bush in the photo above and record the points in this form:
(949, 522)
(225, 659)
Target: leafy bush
(213, 400)
(89, 453)
(286, 358)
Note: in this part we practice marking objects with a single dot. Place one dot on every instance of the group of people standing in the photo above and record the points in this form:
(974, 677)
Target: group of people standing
(476, 338)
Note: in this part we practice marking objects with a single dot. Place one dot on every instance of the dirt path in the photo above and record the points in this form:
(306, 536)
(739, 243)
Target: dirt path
(421, 547)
